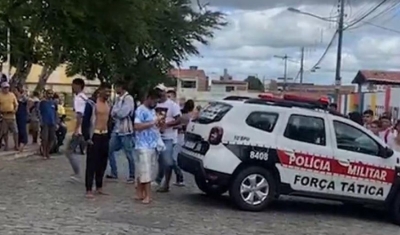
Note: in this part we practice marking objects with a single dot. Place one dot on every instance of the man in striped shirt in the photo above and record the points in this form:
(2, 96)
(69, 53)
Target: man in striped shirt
(122, 134)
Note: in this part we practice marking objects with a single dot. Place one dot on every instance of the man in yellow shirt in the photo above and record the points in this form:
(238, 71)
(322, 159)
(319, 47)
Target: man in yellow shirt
(8, 108)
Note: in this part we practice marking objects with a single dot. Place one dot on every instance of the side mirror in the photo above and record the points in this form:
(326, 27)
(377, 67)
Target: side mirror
(387, 152)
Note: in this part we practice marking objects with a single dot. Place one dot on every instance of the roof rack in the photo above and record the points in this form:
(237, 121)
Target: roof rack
(239, 98)
(290, 101)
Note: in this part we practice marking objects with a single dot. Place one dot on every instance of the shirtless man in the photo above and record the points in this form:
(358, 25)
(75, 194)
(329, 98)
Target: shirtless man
(95, 130)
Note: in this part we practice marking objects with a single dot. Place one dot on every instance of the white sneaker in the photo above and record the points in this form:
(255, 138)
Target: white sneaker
(155, 184)
(75, 178)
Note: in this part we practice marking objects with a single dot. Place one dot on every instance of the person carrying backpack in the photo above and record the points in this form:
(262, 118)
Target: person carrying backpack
(122, 114)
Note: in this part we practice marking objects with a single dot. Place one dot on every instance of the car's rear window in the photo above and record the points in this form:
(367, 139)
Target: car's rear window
(213, 112)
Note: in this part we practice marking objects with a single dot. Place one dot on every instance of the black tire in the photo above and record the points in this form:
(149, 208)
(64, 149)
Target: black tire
(395, 210)
(235, 188)
(210, 189)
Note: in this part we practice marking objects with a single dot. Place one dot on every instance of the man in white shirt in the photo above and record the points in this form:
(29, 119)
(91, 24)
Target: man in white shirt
(79, 108)
(170, 114)
(171, 94)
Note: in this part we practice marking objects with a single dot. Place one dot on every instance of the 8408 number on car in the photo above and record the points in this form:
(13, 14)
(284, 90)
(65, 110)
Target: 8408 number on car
(257, 155)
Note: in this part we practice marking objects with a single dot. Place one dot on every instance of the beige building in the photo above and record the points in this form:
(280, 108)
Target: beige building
(221, 86)
(190, 80)
(58, 80)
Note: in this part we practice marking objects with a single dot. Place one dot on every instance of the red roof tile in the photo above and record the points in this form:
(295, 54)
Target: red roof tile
(377, 76)
(188, 73)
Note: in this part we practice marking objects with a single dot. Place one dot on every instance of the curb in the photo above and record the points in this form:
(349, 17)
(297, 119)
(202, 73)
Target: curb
(14, 155)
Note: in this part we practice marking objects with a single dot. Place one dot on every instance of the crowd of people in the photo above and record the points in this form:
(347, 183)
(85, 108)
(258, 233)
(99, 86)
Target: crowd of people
(383, 126)
(148, 135)
(21, 115)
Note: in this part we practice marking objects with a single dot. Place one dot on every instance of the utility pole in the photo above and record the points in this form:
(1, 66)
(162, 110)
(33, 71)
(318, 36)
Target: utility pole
(285, 59)
(338, 78)
(302, 66)
(263, 82)
(8, 43)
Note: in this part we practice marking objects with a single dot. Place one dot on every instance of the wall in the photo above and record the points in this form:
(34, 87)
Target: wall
(379, 102)
(221, 88)
(203, 97)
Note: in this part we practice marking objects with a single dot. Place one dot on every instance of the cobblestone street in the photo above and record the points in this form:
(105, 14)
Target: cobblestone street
(36, 198)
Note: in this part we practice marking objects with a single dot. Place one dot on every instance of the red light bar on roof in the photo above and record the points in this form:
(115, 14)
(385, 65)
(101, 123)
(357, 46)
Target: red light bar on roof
(266, 96)
(324, 100)
(296, 98)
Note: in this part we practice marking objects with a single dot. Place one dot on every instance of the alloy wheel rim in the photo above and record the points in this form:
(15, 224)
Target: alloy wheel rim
(254, 189)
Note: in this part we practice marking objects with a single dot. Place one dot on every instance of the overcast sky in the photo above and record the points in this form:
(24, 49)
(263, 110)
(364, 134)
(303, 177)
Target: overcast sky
(260, 29)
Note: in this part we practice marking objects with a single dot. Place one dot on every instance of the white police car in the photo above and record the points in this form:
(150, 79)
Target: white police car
(261, 148)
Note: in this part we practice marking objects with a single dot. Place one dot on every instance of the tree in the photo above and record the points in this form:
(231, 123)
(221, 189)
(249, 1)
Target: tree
(59, 22)
(254, 83)
(164, 33)
(134, 40)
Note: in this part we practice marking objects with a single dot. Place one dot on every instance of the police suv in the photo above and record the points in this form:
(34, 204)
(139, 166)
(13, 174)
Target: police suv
(258, 149)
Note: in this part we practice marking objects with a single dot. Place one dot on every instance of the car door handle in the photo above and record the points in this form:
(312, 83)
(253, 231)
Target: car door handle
(344, 162)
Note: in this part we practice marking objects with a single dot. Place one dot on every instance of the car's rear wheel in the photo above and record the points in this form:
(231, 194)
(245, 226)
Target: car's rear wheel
(253, 189)
(210, 189)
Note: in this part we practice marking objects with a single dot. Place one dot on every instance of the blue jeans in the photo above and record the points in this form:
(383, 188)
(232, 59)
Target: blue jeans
(124, 142)
(177, 170)
(167, 160)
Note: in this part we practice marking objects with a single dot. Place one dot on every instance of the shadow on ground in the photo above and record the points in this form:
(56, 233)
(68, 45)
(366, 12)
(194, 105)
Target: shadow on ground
(299, 206)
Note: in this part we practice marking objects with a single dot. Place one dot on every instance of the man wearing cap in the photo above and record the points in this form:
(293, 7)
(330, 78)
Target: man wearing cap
(170, 114)
(8, 108)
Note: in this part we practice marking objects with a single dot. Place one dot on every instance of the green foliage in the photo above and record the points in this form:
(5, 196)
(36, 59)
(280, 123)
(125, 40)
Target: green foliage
(254, 83)
(135, 40)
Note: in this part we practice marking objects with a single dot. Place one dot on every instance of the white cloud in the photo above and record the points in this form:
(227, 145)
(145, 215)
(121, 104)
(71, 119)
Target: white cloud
(261, 29)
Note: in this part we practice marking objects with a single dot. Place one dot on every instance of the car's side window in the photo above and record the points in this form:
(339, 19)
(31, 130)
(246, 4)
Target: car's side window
(262, 120)
(353, 139)
(306, 129)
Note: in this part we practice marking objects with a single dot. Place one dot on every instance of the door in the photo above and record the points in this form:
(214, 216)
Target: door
(359, 171)
(305, 152)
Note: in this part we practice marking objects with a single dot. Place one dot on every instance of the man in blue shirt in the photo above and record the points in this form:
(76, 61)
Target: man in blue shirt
(48, 122)
(122, 135)
(146, 139)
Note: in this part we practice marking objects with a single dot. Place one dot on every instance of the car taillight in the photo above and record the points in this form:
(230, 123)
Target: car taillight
(215, 136)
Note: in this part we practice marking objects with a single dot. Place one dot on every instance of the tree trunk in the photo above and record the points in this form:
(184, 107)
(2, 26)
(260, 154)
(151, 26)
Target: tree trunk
(23, 69)
(44, 75)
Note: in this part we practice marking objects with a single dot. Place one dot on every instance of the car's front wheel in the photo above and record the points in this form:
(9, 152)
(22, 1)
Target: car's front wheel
(210, 189)
(253, 189)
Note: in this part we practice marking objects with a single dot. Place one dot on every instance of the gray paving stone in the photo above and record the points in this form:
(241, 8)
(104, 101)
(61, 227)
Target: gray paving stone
(36, 198)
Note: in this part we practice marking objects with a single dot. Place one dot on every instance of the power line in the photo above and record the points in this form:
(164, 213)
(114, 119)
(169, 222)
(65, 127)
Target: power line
(396, 13)
(382, 27)
(326, 50)
(388, 9)
(392, 7)
(366, 14)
